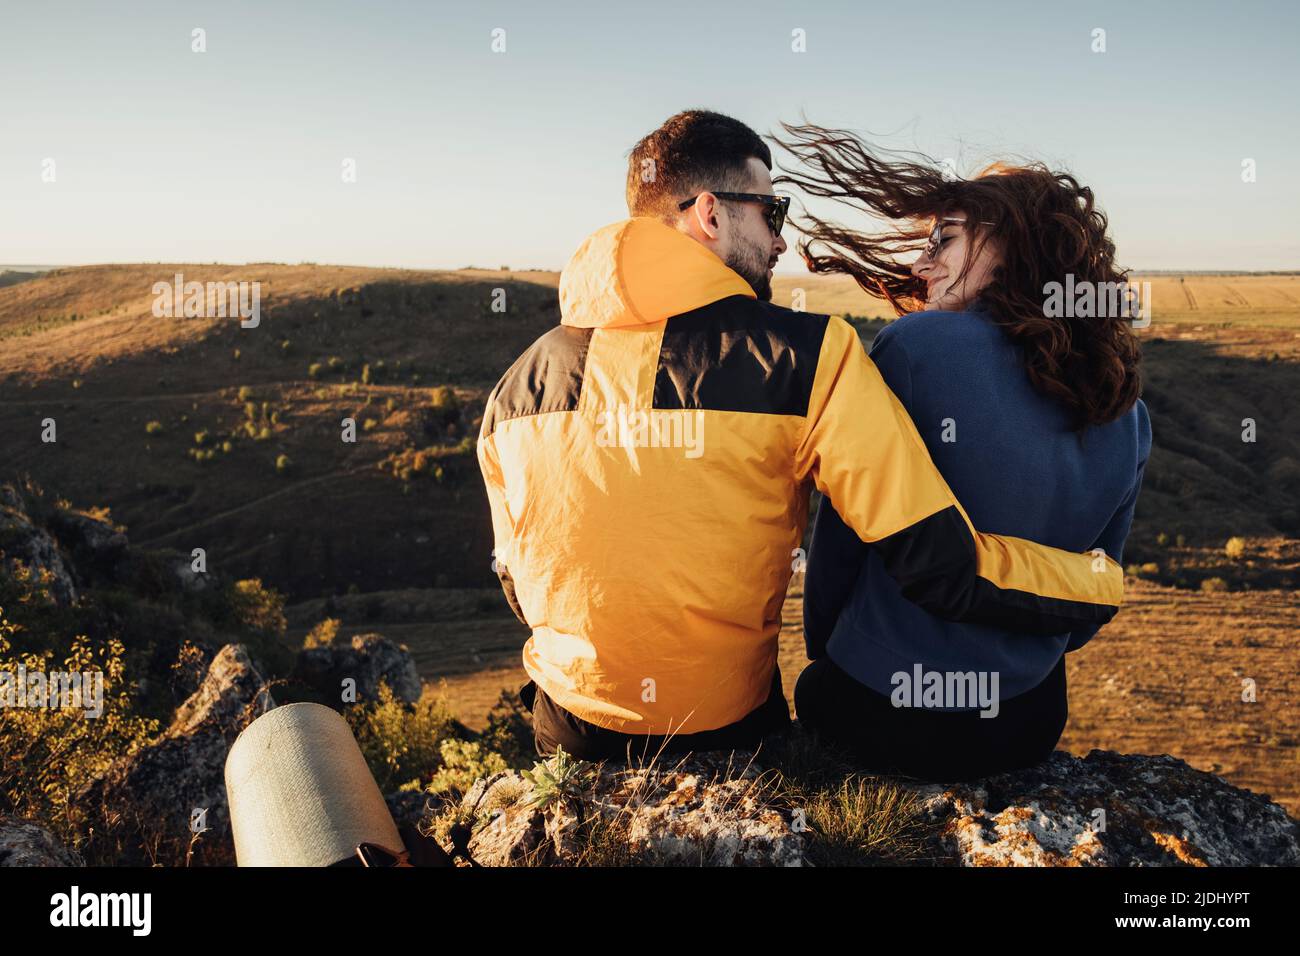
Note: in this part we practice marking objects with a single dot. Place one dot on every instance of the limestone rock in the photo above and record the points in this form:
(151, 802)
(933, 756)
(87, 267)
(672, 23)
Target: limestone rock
(1105, 809)
(151, 795)
(23, 843)
(1110, 809)
(705, 810)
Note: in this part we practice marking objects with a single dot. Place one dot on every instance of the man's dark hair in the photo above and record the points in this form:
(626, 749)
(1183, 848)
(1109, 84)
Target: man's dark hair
(694, 151)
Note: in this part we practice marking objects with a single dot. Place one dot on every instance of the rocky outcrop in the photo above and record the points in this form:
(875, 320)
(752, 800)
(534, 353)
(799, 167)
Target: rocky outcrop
(23, 843)
(1110, 809)
(27, 546)
(161, 796)
(704, 811)
(1105, 809)
(368, 659)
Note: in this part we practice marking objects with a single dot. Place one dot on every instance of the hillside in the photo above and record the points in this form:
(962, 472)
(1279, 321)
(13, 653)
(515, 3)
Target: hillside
(178, 427)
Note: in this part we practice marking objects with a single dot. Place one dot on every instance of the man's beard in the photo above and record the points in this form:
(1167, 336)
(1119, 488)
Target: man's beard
(749, 261)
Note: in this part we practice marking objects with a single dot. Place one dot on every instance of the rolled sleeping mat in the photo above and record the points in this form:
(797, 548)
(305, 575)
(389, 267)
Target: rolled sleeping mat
(300, 792)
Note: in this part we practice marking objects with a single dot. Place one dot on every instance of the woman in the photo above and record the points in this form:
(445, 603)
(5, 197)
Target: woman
(1031, 415)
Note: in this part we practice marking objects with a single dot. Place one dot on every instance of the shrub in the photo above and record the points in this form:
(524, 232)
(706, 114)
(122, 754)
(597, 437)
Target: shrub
(201, 437)
(314, 370)
(153, 428)
(245, 393)
(1235, 548)
(401, 743)
(463, 762)
(257, 608)
(443, 399)
(50, 753)
(283, 465)
(323, 634)
(1214, 585)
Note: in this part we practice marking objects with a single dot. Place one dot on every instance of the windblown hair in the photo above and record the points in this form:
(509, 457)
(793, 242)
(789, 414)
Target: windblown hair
(693, 151)
(1045, 224)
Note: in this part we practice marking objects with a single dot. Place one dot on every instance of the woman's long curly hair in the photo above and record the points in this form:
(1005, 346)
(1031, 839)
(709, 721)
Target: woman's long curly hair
(1045, 224)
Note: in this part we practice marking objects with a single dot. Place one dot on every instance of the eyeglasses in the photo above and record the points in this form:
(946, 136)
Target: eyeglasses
(936, 234)
(777, 206)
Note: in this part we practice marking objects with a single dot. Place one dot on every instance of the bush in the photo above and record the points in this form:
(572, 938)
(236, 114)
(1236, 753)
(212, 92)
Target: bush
(401, 743)
(257, 608)
(323, 634)
(463, 762)
(1235, 548)
(245, 393)
(1214, 585)
(153, 428)
(443, 399)
(314, 370)
(50, 753)
(283, 464)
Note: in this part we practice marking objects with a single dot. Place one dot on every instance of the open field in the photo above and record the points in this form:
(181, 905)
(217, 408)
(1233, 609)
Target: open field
(1271, 301)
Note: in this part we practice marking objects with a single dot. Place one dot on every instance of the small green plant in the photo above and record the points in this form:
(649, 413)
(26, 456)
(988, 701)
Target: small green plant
(561, 777)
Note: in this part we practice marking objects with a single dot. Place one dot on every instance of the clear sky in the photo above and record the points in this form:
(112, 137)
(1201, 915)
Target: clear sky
(466, 156)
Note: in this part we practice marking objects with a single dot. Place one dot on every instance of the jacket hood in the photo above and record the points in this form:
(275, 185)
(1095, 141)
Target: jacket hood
(640, 272)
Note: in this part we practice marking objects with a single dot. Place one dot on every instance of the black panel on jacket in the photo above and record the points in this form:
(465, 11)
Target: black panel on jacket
(546, 378)
(740, 355)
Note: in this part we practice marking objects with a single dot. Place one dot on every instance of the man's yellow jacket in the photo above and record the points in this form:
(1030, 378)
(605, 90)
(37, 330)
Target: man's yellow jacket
(648, 464)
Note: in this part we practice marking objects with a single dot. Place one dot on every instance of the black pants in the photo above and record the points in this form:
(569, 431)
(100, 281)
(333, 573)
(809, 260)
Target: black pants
(555, 727)
(934, 745)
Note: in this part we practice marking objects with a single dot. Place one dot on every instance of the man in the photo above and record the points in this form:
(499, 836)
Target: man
(649, 461)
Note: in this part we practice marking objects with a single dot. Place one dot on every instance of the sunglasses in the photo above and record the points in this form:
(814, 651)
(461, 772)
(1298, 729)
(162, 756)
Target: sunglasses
(777, 207)
(936, 234)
